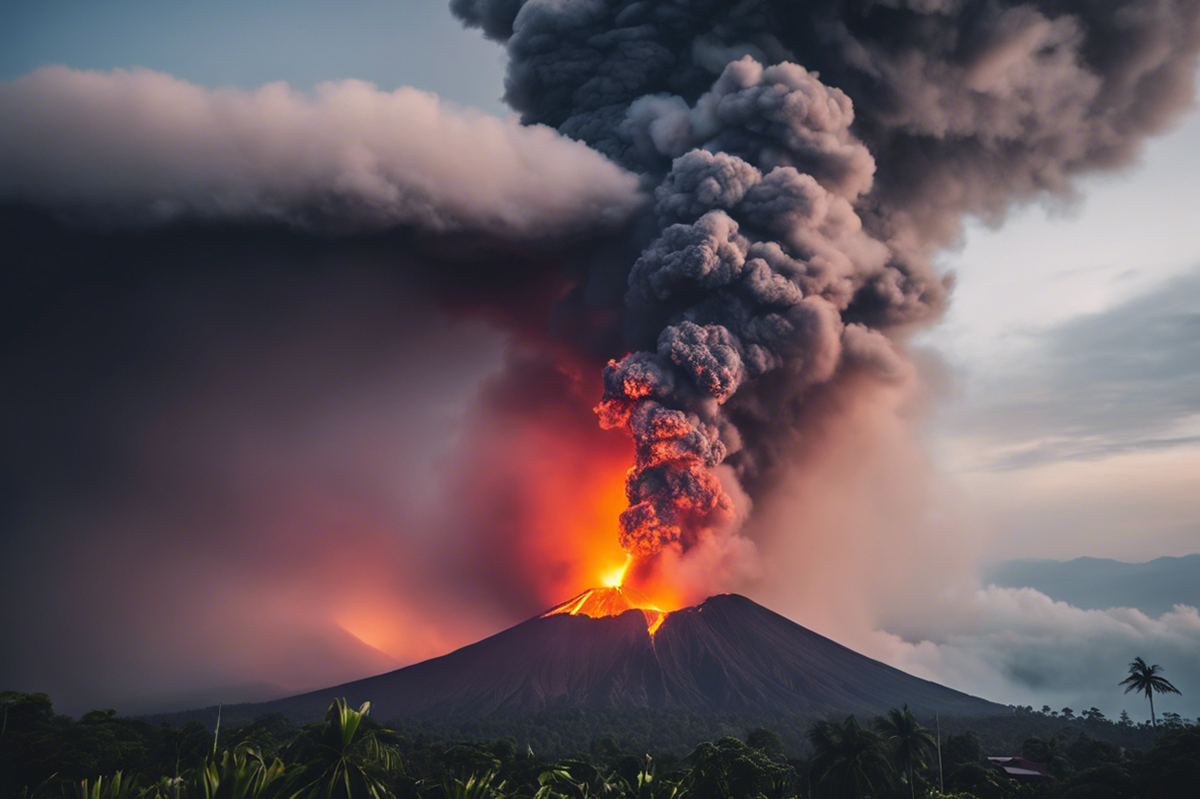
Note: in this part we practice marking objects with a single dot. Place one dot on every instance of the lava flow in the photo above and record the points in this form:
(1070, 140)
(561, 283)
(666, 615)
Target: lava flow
(611, 601)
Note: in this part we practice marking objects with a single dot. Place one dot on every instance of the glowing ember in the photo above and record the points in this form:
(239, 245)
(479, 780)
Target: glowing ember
(597, 603)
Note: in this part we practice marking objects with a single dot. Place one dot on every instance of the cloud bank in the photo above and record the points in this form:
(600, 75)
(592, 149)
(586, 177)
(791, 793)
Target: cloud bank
(1018, 646)
(141, 146)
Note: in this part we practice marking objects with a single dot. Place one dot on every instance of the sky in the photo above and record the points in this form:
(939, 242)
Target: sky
(1058, 414)
(1094, 294)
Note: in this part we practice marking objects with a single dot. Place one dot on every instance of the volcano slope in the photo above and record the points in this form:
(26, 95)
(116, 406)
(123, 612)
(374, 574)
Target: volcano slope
(727, 655)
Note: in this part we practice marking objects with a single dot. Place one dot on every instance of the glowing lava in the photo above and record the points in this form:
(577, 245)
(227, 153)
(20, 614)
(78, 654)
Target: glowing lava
(597, 603)
(617, 576)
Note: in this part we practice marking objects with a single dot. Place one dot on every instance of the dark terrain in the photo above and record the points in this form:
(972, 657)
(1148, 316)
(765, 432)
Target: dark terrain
(727, 655)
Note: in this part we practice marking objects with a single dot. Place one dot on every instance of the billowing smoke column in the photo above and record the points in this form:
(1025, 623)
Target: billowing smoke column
(798, 207)
(732, 204)
(744, 301)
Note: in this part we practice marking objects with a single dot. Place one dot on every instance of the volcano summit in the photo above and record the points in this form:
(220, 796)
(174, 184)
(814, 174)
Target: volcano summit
(607, 649)
(596, 603)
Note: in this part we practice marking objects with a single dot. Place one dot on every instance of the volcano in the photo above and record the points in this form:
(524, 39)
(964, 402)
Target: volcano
(608, 649)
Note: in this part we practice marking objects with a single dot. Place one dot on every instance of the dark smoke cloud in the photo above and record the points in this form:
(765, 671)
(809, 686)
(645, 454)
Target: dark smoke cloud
(779, 272)
(966, 105)
(809, 159)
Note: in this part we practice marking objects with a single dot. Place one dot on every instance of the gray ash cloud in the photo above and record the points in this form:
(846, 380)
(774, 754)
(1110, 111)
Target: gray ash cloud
(808, 160)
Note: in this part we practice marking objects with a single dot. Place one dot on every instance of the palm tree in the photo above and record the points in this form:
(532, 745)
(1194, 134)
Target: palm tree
(1145, 679)
(241, 772)
(909, 741)
(848, 759)
(345, 757)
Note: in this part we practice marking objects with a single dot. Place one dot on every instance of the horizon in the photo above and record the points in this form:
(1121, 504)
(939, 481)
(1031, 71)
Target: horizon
(238, 438)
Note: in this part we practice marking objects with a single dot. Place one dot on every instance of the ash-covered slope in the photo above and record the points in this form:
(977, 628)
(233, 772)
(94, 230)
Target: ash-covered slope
(726, 655)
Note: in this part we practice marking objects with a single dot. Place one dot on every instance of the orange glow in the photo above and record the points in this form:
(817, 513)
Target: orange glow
(374, 635)
(570, 502)
(613, 579)
(551, 483)
(394, 634)
(655, 579)
(597, 603)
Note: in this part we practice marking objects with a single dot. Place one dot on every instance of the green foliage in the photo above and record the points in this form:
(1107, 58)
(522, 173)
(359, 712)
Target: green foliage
(238, 774)
(22, 712)
(474, 786)
(768, 742)
(958, 750)
(979, 781)
(1103, 782)
(1086, 752)
(646, 785)
(28, 734)
(1049, 752)
(730, 768)
(849, 760)
(349, 755)
(344, 758)
(909, 743)
(1172, 767)
(115, 787)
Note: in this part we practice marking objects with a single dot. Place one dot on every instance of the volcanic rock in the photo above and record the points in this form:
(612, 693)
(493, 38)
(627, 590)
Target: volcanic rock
(725, 655)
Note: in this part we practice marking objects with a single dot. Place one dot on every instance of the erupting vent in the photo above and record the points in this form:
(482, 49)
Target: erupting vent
(599, 602)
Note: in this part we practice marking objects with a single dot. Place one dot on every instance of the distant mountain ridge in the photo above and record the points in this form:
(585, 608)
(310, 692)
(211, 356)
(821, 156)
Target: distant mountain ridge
(1153, 587)
(725, 655)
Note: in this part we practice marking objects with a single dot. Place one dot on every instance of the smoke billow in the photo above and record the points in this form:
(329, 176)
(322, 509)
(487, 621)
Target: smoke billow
(809, 159)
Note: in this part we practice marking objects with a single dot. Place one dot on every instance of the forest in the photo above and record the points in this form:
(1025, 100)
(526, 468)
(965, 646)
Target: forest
(580, 754)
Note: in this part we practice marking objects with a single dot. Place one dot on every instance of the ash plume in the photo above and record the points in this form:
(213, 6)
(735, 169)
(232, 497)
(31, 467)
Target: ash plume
(809, 160)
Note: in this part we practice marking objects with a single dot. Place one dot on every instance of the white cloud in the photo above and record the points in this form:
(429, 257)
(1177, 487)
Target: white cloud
(1018, 646)
(139, 145)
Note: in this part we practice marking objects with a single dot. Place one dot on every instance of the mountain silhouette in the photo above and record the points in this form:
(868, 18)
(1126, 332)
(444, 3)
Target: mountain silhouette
(1154, 587)
(725, 655)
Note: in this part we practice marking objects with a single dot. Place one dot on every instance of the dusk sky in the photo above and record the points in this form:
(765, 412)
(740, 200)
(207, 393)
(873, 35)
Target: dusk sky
(252, 442)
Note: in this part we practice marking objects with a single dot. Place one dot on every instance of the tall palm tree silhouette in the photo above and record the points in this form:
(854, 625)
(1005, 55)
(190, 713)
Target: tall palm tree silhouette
(849, 759)
(909, 741)
(1146, 680)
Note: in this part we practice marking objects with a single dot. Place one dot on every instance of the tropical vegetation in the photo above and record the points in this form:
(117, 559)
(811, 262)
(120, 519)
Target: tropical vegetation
(349, 754)
(1147, 680)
